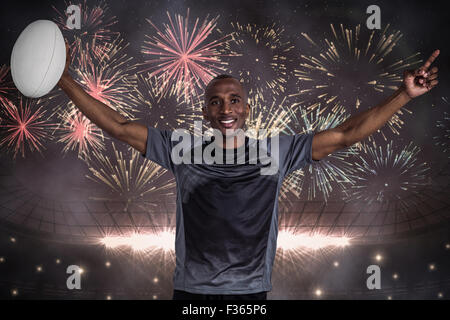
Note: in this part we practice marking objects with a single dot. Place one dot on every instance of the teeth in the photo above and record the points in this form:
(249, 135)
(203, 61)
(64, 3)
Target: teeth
(227, 121)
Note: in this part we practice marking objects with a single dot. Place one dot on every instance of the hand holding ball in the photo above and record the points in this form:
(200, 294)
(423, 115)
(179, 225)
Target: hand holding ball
(38, 58)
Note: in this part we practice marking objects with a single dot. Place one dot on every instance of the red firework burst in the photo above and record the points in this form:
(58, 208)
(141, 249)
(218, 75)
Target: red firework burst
(78, 132)
(24, 127)
(111, 79)
(187, 58)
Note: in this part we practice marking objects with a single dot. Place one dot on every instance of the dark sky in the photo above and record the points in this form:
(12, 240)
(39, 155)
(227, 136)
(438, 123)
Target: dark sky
(423, 23)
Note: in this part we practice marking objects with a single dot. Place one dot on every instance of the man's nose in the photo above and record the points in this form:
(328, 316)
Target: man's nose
(226, 107)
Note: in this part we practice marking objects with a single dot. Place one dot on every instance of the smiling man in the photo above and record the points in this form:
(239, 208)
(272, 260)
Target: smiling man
(226, 108)
(227, 214)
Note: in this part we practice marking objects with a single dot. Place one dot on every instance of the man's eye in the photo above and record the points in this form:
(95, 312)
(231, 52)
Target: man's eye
(234, 100)
(214, 102)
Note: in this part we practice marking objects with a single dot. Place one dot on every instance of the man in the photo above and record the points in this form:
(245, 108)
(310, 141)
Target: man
(226, 215)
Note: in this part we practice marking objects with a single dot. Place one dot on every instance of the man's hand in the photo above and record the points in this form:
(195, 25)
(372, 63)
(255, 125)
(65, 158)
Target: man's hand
(66, 68)
(419, 81)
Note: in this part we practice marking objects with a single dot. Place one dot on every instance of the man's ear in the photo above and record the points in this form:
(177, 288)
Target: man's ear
(248, 110)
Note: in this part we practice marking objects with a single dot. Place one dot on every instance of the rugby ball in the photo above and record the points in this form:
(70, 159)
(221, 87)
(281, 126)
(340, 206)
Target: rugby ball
(38, 58)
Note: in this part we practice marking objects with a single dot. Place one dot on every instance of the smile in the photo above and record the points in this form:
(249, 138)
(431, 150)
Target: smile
(228, 123)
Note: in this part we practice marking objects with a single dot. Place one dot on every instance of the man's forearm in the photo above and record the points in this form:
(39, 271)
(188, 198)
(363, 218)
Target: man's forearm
(99, 113)
(362, 125)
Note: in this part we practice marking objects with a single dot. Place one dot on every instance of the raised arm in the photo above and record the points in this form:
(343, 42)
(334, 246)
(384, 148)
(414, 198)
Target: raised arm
(131, 132)
(356, 128)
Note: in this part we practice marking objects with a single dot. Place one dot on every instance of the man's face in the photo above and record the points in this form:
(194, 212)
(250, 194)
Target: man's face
(226, 106)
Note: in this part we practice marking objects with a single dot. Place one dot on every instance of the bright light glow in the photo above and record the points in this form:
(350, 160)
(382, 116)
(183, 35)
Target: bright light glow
(140, 242)
(165, 240)
(378, 257)
(432, 266)
(318, 292)
(291, 241)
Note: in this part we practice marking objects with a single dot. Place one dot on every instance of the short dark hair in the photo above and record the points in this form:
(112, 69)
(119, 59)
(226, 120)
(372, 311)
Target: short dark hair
(225, 76)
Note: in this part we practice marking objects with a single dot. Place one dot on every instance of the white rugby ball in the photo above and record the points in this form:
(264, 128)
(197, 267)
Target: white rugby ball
(38, 58)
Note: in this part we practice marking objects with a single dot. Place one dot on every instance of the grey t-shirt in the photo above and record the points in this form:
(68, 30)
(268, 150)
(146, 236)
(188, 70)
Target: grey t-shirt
(227, 215)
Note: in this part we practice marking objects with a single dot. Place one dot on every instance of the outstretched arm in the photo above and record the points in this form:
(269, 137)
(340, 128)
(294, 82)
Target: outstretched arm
(131, 132)
(356, 128)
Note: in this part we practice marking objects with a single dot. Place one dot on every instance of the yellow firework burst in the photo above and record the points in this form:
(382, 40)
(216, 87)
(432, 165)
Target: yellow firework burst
(258, 59)
(128, 177)
(349, 67)
(292, 184)
(332, 171)
(268, 119)
(165, 110)
(96, 26)
(389, 176)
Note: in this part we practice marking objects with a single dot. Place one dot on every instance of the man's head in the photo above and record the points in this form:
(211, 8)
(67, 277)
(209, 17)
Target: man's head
(226, 105)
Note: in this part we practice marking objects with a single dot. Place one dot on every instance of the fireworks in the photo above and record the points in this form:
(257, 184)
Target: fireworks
(347, 70)
(334, 169)
(78, 133)
(259, 57)
(95, 28)
(272, 118)
(166, 111)
(111, 79)
(292, 184)
(188, 58)
(24, 127)
(442, 140)
(388, 175)
(132, 179)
